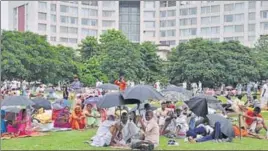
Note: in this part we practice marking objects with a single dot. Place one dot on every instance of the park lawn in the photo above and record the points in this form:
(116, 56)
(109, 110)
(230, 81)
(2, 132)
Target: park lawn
(74, 140)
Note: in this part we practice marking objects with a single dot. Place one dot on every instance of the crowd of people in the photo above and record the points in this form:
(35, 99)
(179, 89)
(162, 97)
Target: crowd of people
(125, 127)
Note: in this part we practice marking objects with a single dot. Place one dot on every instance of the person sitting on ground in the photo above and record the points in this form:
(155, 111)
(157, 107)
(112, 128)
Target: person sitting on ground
(77, 119)
(170, 105)
(254, 121)
(92, 116)
(62, 119)
(200, 131)
(169, 127)
(151, 129)
(161, 114)
(103, 136)
(229, 104)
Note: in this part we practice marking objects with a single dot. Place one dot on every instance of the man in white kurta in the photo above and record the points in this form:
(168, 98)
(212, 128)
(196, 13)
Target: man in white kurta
(264, 95)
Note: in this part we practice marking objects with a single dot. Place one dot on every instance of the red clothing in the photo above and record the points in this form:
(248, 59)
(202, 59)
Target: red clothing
(249, 121)
(172, 106)
(122, 84)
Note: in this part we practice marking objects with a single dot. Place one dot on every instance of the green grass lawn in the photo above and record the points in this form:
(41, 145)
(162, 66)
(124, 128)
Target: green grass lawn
(74, 140)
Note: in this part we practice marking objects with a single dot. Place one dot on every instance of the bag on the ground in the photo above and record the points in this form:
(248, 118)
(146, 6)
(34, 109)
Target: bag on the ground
(144, 146)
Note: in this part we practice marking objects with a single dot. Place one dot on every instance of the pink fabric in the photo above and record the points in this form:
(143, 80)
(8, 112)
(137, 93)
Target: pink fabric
(11, 129)
(59, 123)
(24, 128)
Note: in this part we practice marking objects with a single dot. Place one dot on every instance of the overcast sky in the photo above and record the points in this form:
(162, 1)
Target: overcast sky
(4, 14)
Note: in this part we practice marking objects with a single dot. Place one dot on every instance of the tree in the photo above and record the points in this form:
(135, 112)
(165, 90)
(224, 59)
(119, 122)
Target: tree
(153, 65)
(211, 63)
(260, 55)
(111, 36)
(89, 47)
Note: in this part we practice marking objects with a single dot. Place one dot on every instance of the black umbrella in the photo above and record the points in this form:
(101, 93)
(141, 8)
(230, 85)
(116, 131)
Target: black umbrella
(226, 125)
(142, 93)
(108, 86)
(13, 109)
(209, 98)
(198, 106)
(42, 103)
(111, 100)
(16, 101)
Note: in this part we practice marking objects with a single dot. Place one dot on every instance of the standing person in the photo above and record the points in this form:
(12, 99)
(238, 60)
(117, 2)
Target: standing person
(65, 92)
(121, 83)
(249, 86)
(76, 84)
(239, 88)
(264, 95)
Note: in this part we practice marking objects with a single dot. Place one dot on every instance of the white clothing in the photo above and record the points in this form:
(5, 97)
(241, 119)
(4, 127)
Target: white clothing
(129, 130)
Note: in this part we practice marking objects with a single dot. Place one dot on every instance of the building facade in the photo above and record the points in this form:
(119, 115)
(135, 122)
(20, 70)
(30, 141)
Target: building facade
(162, 22)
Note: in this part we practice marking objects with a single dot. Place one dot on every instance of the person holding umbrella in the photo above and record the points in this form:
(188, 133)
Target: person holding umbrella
(121, 83)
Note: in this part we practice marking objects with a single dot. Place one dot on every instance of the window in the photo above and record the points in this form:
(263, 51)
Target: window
(63, 29)
(90, 22)
(264, 14)
(251, 16)
(52, 38)
(149, 24)
(163, 33)
(108, 13)
(264, 25)
(74, 11)
(123, 17)
(228, 7)
(215, 20)
(88, 32)
(264, 3)
(215, 30)
(251, 27)
(183, 22)
(107, 23)
(239, 17)
(228, 29)
(148, 14)
(64, 19)
(228, 38)
(42, 16)
(42, 27)
(171, 3)
(184, 12)
(251, 4)
(188, 32)
(149, 33)
(171, 13)
(73, 40)
(215, 9)
(149, 4)
(171, 23)
(163, 23)
(163, 3)
(192, 11)
(188, 21)
(205, 20)
(53, 7)
(205, 10)
(42, 6)
(15, 18)
(85, 12)
(53, 28)
(228, 18)
(169, 42)
(65, 40)
(64, 9)
(72, 30)
(205, 31)
(192, 21)
(239, 28)
(93, 12)
(73, 20)
(251, 38)
(53, 18)
(90, 3)
(239, 6)
(163, 13)
(108, 3)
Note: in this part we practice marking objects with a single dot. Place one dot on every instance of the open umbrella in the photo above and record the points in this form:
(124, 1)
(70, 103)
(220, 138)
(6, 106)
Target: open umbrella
(42, 103)
(111, 100)
(142, 93)
(16, 101)
(173, 88)
(175, 96)
(13, 109)
(198, 106)
(209, 98)
(108, 86)
(226, 125)
(92, 100)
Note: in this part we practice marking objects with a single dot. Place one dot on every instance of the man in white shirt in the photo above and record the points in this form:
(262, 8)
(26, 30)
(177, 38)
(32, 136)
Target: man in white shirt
(264, 95)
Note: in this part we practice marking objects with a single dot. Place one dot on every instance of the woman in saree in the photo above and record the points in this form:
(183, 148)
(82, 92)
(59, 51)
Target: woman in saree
(22, 125)
(77, 119)
(92, 116)
(62, 120)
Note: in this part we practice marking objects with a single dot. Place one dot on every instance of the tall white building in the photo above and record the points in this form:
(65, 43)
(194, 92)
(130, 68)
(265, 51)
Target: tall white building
(162, 22)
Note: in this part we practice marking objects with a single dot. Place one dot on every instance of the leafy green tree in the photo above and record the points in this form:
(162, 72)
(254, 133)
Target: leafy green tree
(89, 47)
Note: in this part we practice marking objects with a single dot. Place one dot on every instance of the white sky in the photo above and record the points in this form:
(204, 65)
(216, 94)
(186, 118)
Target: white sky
(4, 15)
